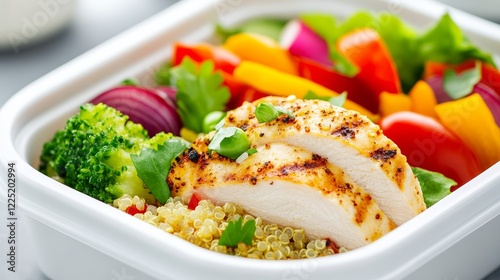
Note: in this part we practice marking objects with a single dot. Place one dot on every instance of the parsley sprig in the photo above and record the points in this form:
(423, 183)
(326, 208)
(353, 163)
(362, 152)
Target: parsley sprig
(199, 92)
(237, 232)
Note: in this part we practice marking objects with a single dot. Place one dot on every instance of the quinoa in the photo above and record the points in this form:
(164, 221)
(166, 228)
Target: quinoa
(204, 225)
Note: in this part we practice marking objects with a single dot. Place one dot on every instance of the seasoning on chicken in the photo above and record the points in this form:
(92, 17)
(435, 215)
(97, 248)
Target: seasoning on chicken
(327, 170)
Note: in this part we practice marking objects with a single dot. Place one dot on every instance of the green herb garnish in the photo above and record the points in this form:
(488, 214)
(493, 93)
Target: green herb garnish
(459, 85)
(435, 186)
(211, 120)
(230, 142)
(237, 232)
(266, 112)
(199, 92)
(153, 165)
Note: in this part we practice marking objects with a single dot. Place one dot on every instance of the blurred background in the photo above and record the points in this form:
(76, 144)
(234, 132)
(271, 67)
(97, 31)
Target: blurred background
(56, 31)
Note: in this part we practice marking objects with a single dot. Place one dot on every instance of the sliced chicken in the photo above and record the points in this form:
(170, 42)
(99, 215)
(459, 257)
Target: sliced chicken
(347, 140)
(286, 185)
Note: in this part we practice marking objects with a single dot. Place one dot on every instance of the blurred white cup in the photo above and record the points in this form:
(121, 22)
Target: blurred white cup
(24, 22)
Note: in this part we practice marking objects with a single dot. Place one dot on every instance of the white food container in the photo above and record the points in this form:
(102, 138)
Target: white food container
(78, 237)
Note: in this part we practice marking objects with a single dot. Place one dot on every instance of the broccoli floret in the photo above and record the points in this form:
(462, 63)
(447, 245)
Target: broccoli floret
(92, 154)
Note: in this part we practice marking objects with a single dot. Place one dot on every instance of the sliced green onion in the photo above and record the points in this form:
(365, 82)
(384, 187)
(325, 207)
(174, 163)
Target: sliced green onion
(230, 142)
(266, 112)
(211, 120)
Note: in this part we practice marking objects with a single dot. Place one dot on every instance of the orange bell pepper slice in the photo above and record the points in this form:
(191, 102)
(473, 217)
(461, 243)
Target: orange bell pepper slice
(423, 99)
(274, 82)
(471, 120)
(391, 103)
(261, 49)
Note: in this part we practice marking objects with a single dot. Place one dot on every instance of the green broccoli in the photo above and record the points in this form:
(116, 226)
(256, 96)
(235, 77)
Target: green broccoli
(92, 154)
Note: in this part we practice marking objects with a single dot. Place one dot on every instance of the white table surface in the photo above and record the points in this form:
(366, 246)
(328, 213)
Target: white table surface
(94, 22)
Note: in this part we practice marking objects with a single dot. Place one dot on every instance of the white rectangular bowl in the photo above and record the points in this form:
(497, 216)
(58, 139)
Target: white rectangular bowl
(78, 237)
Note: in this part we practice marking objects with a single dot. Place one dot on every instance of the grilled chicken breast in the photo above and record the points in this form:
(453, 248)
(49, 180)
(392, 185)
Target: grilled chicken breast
(327, 170)
(346, 139)
(288, 186)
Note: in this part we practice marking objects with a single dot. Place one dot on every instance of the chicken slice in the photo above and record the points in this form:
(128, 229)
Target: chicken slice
(286, 185)
(347, 140)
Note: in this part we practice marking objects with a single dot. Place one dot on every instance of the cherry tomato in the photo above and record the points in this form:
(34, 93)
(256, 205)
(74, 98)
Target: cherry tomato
(428, 144)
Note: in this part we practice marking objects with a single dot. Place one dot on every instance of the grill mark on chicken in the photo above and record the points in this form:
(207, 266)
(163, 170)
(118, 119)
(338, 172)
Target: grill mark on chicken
(352, 129)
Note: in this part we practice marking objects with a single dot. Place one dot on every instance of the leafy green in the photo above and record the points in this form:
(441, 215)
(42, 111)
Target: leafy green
(435, 186)
(459, 85)
(162, 75)
(335, 101)
(153, 165)
(199, 92)
(129, 82)
(211, 120)
(444, 42)
(266, 112)
(230, 142)
(321, 24)
(237, 232)
(269, 27)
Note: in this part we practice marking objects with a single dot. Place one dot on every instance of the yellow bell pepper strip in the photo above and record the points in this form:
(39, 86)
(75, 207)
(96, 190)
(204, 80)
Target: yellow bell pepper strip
(471, 120)
(274, 82)
(393, 102)
(423, 99)
(261, 49)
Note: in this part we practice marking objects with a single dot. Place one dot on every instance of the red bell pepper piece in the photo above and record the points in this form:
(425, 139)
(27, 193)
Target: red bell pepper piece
(365, 49)
(357, 91)
(223, 59)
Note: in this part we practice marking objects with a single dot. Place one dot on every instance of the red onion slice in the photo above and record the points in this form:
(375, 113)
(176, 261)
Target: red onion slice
(150, 107)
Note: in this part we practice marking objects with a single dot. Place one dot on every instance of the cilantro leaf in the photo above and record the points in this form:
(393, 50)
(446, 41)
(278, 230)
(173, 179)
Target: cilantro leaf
(459, 85)
(236, 232)
(435, 186)
(153, 165)
(199, 92)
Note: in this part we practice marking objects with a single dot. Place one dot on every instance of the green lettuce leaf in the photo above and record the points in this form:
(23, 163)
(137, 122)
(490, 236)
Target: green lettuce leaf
(435, 186)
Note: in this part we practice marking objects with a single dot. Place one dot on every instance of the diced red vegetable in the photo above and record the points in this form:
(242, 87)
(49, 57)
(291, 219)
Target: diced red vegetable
(132, 210)
(222, 58)
(193, 202)
(325, 76)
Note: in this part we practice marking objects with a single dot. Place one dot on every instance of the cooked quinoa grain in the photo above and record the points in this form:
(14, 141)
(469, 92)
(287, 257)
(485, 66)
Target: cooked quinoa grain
(204, 226)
